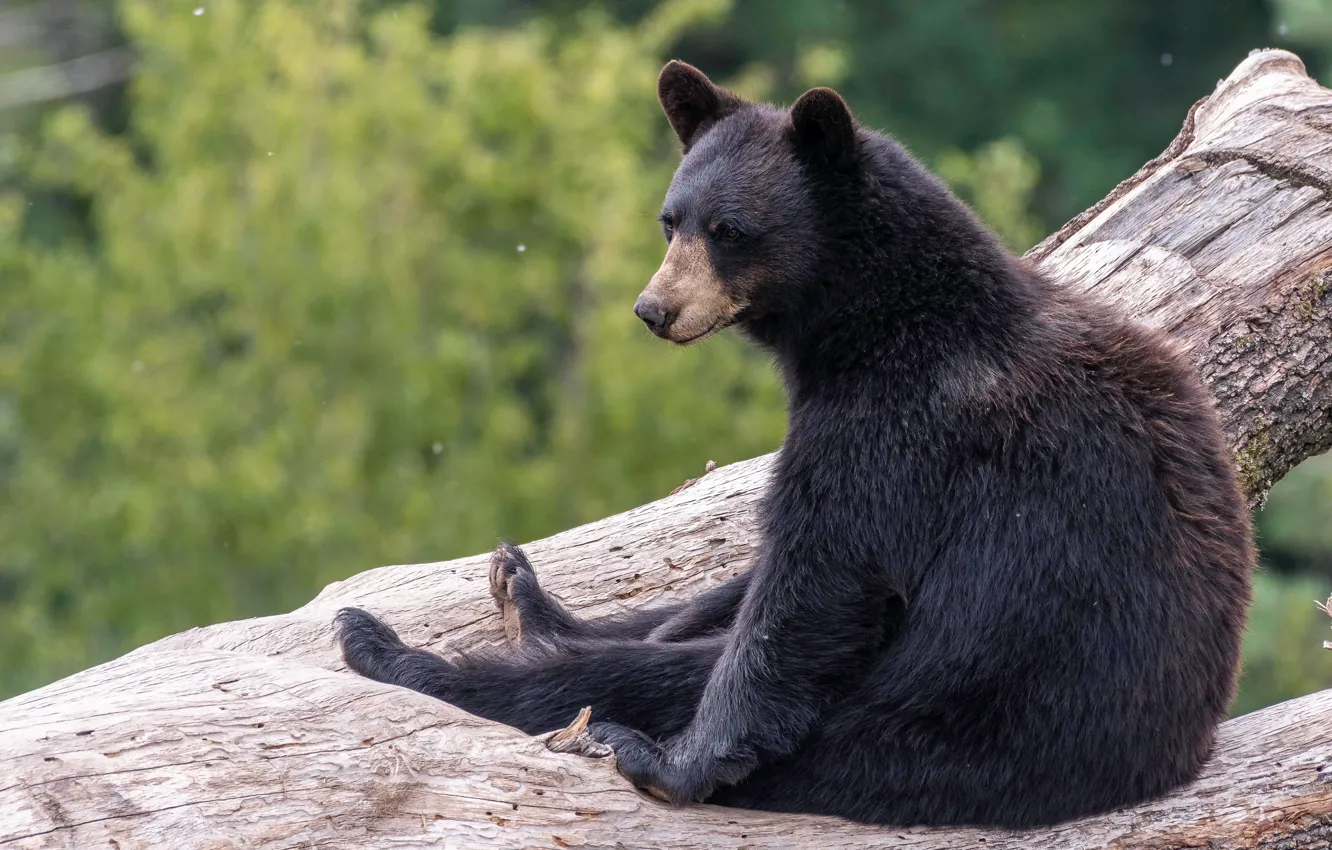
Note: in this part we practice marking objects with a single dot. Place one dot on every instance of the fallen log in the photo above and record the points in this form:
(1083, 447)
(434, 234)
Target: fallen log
(252, 734)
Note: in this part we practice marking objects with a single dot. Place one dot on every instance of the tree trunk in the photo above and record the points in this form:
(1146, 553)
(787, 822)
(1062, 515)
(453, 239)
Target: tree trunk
(252, 734)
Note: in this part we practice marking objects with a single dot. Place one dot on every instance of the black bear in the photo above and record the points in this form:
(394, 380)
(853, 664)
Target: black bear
(1005, 563)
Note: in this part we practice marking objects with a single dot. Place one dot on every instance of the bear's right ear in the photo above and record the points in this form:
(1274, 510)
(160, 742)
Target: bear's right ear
(691, 102)
(823, 129)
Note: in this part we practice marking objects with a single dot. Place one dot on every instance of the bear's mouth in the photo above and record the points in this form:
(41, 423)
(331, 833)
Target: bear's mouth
(718, 325)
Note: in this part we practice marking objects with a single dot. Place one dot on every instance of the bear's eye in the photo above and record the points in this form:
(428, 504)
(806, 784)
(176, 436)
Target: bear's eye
(728, 231)
(667, 224)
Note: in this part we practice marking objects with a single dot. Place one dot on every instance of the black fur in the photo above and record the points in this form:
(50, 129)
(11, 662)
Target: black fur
(1005, 563)
(544, 619)
(691, 102)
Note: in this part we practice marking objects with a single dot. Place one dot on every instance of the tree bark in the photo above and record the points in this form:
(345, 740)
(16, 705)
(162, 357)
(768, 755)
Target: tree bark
(252, 734)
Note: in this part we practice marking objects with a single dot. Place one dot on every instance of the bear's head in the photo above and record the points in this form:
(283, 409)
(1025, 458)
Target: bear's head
(739, 219)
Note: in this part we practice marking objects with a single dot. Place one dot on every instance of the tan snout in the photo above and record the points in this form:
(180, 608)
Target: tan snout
(685, 301)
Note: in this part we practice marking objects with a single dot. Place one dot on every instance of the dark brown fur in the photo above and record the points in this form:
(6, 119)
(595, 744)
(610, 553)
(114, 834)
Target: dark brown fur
(1005, 563)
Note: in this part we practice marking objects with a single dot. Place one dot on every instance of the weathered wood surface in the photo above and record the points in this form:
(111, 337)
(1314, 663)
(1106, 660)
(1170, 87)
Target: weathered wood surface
(249, 734)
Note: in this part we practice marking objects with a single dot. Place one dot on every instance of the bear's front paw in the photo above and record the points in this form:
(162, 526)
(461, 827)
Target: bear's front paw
(643, 762)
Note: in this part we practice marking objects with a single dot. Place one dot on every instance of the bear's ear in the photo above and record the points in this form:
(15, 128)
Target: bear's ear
(691, 102)
(822, 128)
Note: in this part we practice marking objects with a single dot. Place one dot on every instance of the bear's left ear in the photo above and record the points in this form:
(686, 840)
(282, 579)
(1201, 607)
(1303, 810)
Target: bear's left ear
(691, 101)
(822, 128)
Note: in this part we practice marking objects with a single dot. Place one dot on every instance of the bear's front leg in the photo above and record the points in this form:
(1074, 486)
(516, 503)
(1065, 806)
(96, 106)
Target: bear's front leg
(807, 632)
(637, 757)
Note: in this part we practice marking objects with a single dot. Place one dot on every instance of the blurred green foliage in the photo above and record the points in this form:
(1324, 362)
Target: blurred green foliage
(997, 181)
(350, 283)
(1283, 648)
(357, 296)
(1093, 88)
(1307, 23)
(1296, 525)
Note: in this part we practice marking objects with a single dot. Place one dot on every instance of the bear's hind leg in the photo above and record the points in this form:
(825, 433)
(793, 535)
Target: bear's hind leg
(654, 687)
(525, 608)
(529, 613)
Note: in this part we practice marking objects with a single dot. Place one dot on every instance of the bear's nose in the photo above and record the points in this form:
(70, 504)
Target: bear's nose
(654, 315)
